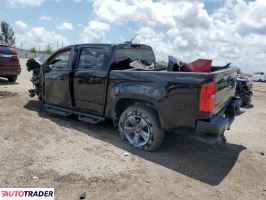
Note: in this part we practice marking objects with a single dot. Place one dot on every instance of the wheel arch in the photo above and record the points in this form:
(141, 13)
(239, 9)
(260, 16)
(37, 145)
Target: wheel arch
(124, 103)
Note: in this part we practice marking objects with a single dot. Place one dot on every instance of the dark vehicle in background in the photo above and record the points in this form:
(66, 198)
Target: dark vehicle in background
(97, 82)
(9, 63)
(244, 91)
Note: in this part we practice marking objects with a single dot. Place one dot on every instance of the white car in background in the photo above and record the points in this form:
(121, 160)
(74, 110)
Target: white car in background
(259, 76)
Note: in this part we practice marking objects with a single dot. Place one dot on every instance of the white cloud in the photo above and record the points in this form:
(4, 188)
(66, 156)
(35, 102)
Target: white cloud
(251, 17)
(21, 26)
(16, 3)
(65, 26)
(45, 18)
(39, 37)
(25, 3)
(235, 32)
(169, 13)
(95, 31)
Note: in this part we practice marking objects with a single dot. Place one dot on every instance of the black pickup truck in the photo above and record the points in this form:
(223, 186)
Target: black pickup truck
(97, 82)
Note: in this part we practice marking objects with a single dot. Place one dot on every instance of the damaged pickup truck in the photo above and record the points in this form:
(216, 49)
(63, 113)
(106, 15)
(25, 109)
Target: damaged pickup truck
(122, 83)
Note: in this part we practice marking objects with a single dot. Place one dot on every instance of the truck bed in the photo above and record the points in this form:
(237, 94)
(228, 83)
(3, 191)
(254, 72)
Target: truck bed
(174, 94)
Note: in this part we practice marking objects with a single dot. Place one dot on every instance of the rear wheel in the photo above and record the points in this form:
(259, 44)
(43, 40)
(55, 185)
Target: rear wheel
(12, 79)
(139, 126)
(260, 80)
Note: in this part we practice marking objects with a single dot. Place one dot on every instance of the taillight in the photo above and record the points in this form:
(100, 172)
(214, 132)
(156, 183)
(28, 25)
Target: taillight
(207, 96)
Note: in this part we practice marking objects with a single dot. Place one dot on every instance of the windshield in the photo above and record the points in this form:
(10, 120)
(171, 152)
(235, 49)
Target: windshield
(123, 57)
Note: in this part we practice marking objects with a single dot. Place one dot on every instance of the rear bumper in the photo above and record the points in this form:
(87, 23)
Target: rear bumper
(213, 129)
(13, 72)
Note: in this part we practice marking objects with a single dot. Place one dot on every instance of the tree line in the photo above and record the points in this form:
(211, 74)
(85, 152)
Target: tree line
(7, 35)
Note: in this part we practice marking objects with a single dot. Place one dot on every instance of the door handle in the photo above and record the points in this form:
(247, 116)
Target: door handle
(61, 78)
(86, 80)
(81, 81)
(89, 80)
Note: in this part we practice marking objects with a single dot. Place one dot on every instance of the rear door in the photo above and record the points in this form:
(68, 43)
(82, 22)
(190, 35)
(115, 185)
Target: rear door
(57, 79)
(90, 79)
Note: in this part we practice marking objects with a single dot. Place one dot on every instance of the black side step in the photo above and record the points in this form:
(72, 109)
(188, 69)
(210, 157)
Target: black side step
(88, 118)
(58, 112)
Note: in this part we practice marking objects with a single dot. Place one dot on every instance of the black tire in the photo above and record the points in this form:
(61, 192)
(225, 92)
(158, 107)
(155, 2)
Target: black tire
(260, 80)
(12, 79)
(148, 117)
(246, 100)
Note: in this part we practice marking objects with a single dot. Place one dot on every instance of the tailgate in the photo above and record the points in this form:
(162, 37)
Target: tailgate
(9, 62)
(8, 58)
(225, 82)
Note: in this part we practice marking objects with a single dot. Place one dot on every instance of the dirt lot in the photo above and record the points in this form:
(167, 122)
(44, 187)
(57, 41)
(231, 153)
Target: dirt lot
(44, 150)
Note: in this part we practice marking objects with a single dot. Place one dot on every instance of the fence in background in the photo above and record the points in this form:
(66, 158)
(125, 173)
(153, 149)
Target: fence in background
(23, 53)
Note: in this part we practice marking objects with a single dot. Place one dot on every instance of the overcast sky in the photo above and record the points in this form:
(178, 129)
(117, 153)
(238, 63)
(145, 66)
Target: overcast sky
(225, 31)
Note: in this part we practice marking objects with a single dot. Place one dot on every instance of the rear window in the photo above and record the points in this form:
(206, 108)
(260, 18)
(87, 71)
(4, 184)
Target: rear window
(123, 57)
(6, 51)
(91, 58)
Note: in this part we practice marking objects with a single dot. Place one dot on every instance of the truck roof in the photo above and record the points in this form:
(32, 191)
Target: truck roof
(119, 46)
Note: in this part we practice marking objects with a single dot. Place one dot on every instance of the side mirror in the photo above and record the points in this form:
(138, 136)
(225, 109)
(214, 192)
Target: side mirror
(50, 67)
(46, 67)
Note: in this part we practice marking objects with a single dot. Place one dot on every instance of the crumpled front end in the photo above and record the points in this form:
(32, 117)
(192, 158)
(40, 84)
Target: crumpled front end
(35, 66)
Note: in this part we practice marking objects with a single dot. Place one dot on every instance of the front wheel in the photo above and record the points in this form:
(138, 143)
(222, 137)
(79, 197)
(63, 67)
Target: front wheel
(139, 126)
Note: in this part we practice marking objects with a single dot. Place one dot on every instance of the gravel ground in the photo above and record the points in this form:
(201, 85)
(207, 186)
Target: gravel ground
(45, 150)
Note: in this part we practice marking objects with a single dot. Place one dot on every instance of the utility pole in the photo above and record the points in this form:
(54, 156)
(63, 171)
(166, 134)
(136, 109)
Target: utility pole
(57, 44)
(21, 46)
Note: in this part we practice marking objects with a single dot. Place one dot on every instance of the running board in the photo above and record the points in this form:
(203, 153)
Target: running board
(58, 112)
(88, 118)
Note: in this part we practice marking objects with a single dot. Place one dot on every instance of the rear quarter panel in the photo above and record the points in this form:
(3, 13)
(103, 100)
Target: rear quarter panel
(174, 95)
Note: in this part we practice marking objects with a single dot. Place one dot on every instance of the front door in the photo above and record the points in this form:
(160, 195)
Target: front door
(57, 87)
(90, 80)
